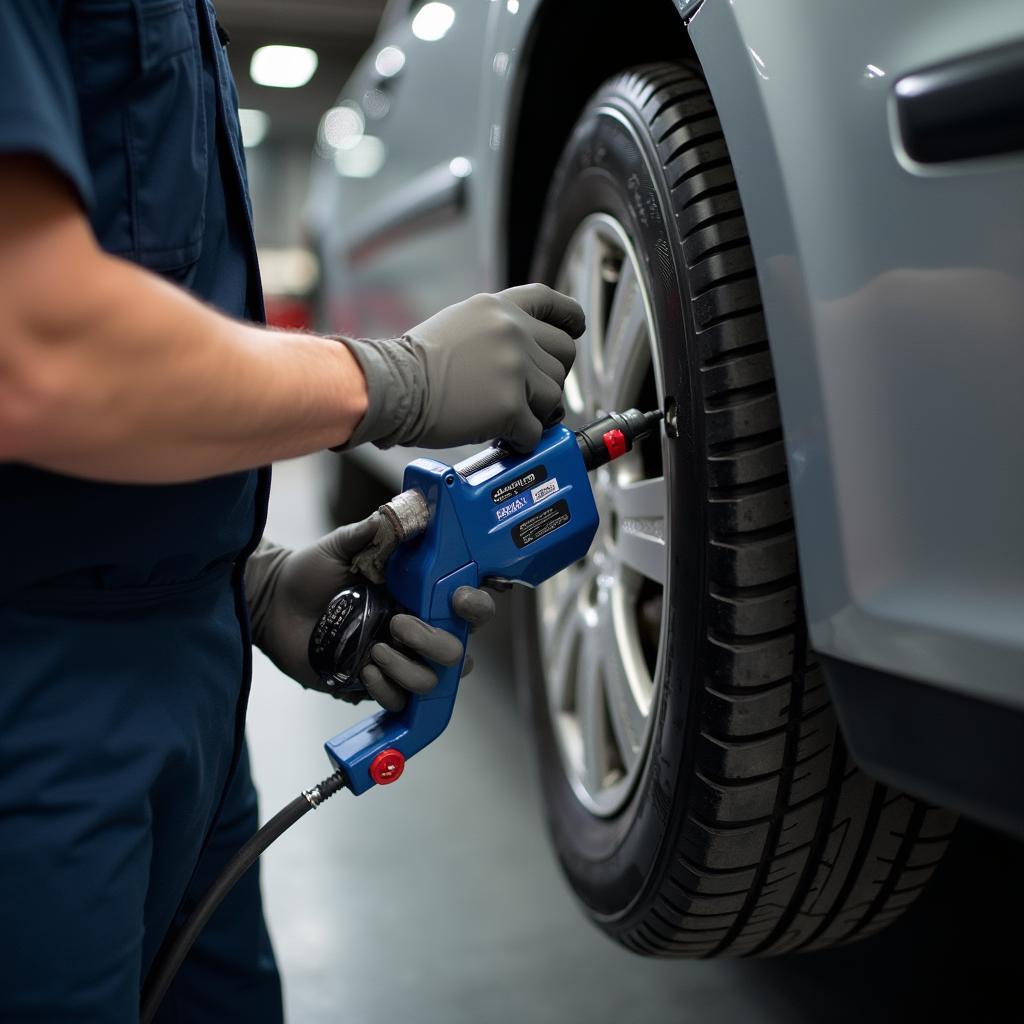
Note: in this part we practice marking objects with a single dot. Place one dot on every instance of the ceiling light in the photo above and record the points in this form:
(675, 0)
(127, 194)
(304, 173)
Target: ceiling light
(363, 160)
(283, 67)
(460, 167)
(342, 126)
(389, 61)
(376, 103)
(432, 21)
(254, 125)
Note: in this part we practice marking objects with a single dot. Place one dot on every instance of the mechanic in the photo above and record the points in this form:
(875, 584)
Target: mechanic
(138, 400)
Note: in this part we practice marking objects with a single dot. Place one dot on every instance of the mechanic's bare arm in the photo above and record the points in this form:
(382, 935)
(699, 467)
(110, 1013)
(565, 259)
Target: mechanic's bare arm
(109, 372)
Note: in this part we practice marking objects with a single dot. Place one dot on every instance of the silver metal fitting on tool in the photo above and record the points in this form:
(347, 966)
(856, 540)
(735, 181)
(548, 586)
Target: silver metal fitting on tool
(405, 516)
(407, 513)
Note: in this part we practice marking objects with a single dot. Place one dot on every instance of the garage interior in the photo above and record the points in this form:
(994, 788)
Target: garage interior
(440, 900)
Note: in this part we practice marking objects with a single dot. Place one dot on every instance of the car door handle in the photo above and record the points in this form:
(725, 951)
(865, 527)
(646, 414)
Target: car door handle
(430, 197)
(965, 109)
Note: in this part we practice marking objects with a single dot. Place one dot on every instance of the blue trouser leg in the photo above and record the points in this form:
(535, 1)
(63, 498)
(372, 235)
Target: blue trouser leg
(230, 975)
(117, 727)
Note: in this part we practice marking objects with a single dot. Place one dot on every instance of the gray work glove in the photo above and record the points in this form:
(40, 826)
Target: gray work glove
(492, 366)
(287, 592)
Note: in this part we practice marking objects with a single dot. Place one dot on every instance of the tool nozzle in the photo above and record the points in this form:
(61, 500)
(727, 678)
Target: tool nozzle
(615, 434)
(651, 421)
(654, 417)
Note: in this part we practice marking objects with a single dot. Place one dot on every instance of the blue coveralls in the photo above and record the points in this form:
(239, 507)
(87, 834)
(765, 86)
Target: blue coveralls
(124, 639)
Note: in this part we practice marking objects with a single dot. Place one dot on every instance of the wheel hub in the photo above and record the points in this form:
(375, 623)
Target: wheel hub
(597, 619)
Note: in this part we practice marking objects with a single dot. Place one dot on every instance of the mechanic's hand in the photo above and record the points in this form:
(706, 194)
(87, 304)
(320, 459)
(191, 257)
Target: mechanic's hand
(392, 673)
(287, 592)
(491, 366)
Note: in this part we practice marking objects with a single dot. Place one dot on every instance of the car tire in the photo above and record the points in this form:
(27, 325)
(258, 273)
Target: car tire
(746, 829)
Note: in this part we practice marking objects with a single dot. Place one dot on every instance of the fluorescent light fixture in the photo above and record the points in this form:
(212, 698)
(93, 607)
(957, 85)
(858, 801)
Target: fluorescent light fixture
(283, 67)
(432, 22)
(363, 160)
(342, 126)
(460, 166)
(389, 61)
(254, 125)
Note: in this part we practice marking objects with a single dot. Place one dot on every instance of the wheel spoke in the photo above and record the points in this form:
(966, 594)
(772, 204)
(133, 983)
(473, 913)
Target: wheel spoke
(588, 283)
(641, 550)
(626, 354)
(568, 281)
(590, 709)
(640, 544)
(624, 672)
(583, 280)
(562, 671)
(563, 629)
(641, 499)
(561, 598)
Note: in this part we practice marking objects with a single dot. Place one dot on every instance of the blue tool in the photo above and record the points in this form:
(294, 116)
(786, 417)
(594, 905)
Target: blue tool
(498, 517)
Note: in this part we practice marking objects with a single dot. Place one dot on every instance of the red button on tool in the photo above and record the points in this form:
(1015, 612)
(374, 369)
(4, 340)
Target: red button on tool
(387, 766)
(615, 442)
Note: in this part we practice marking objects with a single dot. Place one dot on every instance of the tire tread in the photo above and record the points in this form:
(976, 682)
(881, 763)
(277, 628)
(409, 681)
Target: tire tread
(785, 844)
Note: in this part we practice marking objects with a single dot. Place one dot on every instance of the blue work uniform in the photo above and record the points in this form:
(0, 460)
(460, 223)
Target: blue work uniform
(124, 640)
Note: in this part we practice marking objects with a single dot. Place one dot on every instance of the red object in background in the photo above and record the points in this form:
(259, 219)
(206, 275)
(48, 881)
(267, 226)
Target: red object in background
(285, 311)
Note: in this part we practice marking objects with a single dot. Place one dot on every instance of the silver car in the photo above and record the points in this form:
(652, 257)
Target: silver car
(797, 646)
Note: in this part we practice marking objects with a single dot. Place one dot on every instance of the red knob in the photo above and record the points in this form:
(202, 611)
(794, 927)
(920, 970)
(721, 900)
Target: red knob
(615, 442)
(387, 766)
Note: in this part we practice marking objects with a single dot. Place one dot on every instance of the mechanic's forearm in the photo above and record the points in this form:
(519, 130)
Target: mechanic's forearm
(108, 371)
(131, 379)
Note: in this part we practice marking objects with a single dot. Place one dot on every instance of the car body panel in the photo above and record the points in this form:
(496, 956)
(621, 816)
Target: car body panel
(894, 296)
(395, 263)
(895, 302)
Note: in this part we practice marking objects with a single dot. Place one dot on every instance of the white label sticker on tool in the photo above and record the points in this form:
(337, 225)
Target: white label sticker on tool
(541, 491)
(514, 506)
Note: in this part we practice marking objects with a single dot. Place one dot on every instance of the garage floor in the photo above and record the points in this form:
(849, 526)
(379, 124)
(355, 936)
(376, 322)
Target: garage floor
(439, 900)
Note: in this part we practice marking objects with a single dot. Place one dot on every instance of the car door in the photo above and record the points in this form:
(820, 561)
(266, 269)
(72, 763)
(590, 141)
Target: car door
(402, 143)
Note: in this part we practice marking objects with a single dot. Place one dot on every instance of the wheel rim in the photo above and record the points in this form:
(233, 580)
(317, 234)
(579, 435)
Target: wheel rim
(600, 621)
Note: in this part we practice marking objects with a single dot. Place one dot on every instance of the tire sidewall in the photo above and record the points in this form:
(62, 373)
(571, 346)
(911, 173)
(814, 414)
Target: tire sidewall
(609, 166)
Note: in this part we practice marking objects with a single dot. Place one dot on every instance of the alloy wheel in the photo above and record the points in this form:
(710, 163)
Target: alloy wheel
(601, 621)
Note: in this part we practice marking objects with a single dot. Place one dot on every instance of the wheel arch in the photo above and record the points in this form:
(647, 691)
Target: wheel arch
(544, 105)
(545, 102)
